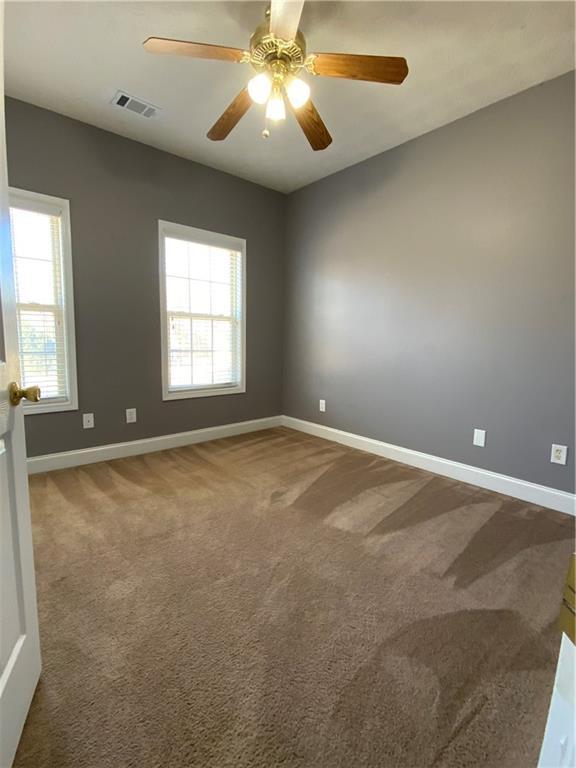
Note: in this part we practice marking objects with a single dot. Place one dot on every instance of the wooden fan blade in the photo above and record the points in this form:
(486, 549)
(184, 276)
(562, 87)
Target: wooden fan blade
(285, 18)
(313, 126)
(231, 116)
(195, 50)
(377, 69)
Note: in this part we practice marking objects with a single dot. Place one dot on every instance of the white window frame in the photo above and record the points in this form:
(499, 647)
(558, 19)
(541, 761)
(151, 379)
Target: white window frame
(203, 237)
(55, 206)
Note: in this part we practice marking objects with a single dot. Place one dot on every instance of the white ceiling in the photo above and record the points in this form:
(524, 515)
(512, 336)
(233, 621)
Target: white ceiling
(72, 57)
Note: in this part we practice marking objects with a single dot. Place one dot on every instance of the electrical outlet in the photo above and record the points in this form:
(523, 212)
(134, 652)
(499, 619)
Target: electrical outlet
(559, 454)
(130, 415)
(88, 420)
(479, 437)
(322, 406)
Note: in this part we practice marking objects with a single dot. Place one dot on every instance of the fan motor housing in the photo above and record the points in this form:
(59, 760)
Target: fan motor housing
(266, 50)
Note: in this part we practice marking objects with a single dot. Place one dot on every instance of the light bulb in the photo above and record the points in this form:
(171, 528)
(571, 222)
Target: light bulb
(275, 109)
(298, 92)
(259, 88)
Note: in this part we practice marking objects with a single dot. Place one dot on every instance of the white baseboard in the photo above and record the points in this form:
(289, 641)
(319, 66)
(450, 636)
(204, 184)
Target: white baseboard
(511, 486)
(51, 461)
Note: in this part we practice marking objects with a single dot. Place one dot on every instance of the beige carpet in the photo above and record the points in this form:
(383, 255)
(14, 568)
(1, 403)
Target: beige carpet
(278, 600)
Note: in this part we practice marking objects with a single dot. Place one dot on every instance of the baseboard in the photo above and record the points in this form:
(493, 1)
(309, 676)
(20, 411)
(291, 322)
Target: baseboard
(511, 486)
(51, 461)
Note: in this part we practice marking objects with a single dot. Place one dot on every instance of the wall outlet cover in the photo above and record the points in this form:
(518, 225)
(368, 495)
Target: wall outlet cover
(130, 415)
(480, 437)
(559, 454)
(322, 406)
(88, 420)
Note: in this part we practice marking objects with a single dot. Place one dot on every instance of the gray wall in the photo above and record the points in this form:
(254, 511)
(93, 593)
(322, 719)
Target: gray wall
(431, 290)
(424, 292)
(118, 189)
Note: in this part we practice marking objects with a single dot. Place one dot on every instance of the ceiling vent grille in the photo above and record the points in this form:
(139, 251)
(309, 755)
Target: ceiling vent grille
(138, 106)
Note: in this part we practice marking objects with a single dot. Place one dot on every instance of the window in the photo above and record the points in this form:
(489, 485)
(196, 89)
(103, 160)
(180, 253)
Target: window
(202, 289)
(44, 304)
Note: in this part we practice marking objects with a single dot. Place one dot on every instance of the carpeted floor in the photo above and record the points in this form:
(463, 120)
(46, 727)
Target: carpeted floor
(278, 600)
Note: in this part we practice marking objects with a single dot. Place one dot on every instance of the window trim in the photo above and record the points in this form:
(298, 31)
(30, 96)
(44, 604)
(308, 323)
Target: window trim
(203, 237)
(55, 206)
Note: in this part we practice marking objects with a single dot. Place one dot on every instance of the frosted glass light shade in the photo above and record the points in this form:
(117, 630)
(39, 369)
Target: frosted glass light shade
(298, 92)
(259, 88)
(275, 109)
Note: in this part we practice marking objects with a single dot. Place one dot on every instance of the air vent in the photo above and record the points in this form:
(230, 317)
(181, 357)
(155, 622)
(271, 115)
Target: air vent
(137, 106)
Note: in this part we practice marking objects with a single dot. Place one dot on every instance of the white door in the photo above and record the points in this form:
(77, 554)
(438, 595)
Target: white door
(559, 744)
(19, 645)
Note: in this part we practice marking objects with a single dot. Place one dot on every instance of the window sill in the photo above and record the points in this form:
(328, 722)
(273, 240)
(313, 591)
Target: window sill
(48, 406)
(186, 394)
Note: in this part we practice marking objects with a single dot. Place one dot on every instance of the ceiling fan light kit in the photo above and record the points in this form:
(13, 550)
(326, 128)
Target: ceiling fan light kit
(278, 60)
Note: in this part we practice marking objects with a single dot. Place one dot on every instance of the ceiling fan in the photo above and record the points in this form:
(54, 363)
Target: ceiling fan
(278, 54)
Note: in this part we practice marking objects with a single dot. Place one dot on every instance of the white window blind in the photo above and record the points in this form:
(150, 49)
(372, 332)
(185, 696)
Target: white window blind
(203, 323)
(44, 307)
